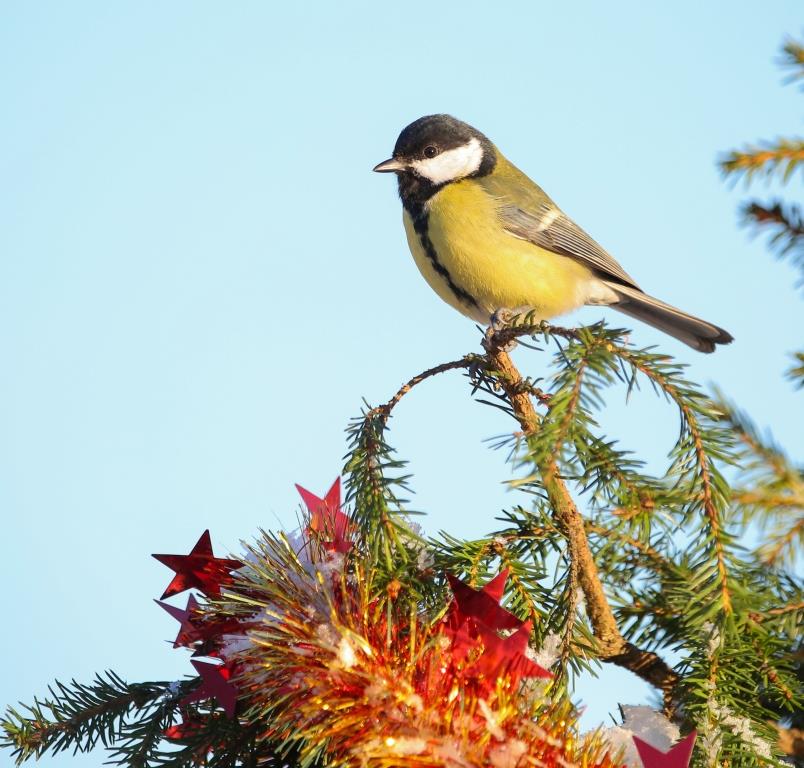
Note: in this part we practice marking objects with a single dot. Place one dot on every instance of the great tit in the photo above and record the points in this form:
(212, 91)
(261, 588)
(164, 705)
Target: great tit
(489, 241)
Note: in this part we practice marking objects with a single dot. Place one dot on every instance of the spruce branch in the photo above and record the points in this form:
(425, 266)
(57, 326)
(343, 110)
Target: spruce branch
(570, 611)
(496, 375)
(658, 560)
(385, 535)
(701, 440)
(384, 411)
(734, 622)
(770, 158)
(783, 222)
(792, 58)
(566, 513)
(610, 644)
(769, 489)
(796, 372)
(216, 742)
(370, 489)
(78, 716)
(782, 610)
(783, 543)
(712, 489)
(663, 598)
(785, 225)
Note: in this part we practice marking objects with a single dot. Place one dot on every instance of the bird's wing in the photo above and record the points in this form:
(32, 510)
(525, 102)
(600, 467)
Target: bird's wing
(531, 215)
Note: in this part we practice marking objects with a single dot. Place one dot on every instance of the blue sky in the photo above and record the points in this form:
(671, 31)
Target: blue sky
(200, 277)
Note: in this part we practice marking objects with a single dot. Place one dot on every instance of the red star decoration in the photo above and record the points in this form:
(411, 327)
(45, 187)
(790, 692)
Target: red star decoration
(188, 633)
(215, 629)
(464, 641)
(200, 569)
(678, 755)
(506, 655)
(503, 655)
(185, 730)
(214, 684)
(482, 605)
(472, 623)
(326, 517)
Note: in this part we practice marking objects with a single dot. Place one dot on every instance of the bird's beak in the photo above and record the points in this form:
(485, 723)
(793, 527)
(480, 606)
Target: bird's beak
(390, 166)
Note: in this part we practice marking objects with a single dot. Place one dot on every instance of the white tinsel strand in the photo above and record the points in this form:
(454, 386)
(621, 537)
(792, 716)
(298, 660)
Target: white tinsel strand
(723, 717)
(549, 653)
(740, 726)
(646, 723)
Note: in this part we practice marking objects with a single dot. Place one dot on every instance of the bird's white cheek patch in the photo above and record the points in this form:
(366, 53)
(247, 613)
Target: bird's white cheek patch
(452, 164)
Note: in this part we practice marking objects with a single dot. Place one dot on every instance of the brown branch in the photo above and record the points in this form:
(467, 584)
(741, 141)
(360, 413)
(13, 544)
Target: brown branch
(502, 338)
(782, 611)
(384, 411)
(612, 646)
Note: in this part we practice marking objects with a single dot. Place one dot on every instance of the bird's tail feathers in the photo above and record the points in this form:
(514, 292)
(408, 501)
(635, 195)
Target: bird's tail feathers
(693, 331)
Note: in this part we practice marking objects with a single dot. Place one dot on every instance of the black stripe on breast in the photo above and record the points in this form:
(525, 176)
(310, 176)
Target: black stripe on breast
(420, 222)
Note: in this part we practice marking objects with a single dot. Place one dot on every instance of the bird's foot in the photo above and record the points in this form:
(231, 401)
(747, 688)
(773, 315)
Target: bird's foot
(499, 321)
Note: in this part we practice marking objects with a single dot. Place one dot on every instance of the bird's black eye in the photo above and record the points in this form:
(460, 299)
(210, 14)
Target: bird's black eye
(430, 151)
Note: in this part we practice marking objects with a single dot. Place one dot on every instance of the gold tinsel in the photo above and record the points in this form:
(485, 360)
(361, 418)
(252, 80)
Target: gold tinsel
(362, 682)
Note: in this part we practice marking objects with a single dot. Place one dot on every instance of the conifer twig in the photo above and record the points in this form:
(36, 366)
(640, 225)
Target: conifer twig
(783, 155)
(384, 410)
(707, 481)
(644, 549)
(497, 364)
(612, 646)
(782, 610)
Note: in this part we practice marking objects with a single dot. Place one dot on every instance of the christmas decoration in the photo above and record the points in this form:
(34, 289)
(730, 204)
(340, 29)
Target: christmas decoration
(326, 517)
(677, 756)
(343, 677)
(297, 638)
(215, 683)
(472, 621)
(645, 722)
(183, 730)
(188, 633)
(506, 656)
(200, 569)
(482, 605)
(359, 642)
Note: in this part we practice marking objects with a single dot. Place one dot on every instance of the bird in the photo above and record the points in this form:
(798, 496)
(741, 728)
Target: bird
(492, 244)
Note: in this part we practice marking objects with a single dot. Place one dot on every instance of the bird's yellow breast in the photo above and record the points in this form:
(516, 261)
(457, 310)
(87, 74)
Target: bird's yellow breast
(465, 246)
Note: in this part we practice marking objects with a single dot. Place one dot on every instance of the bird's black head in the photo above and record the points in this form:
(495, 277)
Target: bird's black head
(434, 151)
